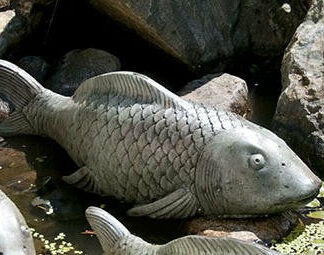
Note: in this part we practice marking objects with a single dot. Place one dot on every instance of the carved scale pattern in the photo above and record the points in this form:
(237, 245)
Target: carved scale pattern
(136, 151)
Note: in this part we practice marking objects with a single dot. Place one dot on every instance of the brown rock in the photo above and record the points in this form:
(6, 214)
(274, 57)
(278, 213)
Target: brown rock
(4, 4)
(219, 90)
(265, 229)
(241, 235)
(300, 109)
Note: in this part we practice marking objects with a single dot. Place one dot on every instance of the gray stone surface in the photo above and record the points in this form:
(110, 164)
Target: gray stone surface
(15, 236)
(79, 65)
(300, 110)
(223, 91)
(115, 239)
(140, 143)
(204, 34)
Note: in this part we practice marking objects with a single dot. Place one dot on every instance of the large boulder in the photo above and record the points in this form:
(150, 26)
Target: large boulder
(223, 91)
(79, 65)
(299, 116)
(205, 34)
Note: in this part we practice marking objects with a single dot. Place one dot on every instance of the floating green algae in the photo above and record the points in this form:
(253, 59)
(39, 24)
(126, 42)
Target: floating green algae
(306, 239)
(58, 247)
(303, 240)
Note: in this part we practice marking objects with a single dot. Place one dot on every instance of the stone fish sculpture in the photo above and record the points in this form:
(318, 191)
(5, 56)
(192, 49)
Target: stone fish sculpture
(138, 142)
(15, 237)
(115, 239)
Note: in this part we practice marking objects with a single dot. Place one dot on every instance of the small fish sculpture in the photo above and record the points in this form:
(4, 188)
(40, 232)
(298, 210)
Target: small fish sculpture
(115, 239)
(15, 236)
(138, 142)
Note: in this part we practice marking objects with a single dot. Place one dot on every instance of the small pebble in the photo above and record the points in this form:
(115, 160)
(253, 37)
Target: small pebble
(286, 7)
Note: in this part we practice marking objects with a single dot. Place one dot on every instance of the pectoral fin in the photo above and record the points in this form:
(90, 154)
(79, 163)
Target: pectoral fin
(83, 179)
(179, 204)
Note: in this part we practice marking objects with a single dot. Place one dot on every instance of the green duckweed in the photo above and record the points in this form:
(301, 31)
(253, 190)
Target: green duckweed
(58, 247)
(306, 240)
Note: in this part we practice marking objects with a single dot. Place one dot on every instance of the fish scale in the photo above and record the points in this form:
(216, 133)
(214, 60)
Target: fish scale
(128, 130)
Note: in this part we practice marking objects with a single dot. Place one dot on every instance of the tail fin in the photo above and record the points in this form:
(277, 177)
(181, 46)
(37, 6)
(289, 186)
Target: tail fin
(107, 228)
(17, 89)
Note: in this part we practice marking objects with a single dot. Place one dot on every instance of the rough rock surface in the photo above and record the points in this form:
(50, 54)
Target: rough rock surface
(219, 90)
(11, 30)
(34, 65)
(206, 33)
(4, 4)
(79, 65)
(4, 110)
(300, 110)
(264, 229)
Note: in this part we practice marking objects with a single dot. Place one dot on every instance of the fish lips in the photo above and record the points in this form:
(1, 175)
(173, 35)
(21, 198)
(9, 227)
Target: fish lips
(294, 204)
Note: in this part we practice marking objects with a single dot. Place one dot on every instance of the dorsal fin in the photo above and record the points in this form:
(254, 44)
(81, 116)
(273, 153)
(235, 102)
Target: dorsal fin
(132, 85)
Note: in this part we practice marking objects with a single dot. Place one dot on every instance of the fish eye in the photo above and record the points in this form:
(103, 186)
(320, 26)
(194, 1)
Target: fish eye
(257, 161)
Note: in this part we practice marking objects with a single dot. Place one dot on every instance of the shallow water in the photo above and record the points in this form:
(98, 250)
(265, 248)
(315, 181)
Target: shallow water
(32, 166)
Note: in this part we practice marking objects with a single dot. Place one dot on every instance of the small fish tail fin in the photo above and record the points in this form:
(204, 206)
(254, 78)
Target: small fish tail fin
(107, 228)
(17, 89)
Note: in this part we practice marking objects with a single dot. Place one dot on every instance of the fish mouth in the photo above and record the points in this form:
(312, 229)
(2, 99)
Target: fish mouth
(309, 198)
(301, 201)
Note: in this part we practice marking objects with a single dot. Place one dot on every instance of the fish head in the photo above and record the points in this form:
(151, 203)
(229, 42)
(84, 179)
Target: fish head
(250, 171)
(15, 236)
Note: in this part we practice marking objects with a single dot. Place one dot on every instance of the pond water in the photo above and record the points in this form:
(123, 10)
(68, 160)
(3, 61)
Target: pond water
(32, 166)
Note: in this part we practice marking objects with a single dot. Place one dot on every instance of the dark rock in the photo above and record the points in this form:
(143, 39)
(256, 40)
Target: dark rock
(11, 30)
(264, 229)
(35, 66)
(79, 65)
(300, 109)
(205, 34)
(219, 90)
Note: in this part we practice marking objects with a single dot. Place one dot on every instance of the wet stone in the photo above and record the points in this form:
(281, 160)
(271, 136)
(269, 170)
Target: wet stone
(222, 91)
(254, 229)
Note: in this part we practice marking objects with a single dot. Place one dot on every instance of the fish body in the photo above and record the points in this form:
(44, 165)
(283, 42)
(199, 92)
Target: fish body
(115, 239)
(15, 236)
(138, 142)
